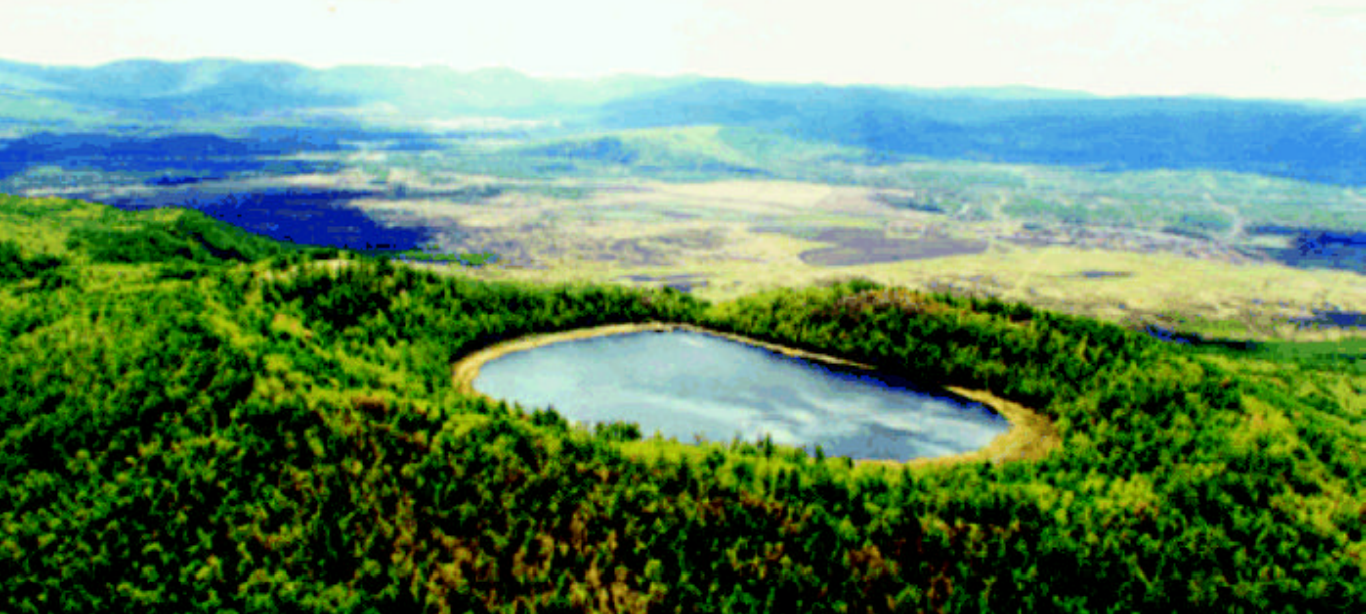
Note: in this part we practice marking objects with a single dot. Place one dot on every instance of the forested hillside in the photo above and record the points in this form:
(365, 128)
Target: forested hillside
(199, 419)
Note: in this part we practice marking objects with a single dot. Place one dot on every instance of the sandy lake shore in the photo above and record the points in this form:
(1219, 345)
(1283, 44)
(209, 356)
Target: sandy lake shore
(1031, 435)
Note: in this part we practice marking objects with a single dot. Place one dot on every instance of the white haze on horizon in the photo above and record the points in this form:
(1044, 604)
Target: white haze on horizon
(1289, 49)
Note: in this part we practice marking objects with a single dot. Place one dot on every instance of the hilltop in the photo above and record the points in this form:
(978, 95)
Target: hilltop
(196, 418)
(234, 297)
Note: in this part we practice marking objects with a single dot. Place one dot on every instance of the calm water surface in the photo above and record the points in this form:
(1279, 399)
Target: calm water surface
(685, 383)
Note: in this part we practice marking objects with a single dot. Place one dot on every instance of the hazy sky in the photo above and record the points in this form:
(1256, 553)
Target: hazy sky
(1248, 48)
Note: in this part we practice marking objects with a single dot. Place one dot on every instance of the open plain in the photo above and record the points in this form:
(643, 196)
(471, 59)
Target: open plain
(724, 239)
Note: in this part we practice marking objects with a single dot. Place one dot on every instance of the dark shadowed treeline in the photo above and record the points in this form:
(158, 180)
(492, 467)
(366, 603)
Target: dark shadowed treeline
(278, 431)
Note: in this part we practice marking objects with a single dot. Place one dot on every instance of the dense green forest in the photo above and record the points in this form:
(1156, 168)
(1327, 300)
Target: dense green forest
(198, 419)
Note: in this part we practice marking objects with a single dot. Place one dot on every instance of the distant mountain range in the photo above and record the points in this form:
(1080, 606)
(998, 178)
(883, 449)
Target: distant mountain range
(1315, 141)
(152, 90)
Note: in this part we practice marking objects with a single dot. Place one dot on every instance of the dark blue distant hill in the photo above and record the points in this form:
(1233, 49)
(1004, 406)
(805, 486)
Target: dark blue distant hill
(153, 90)
(149, 90)
(1314, 141)
(202, 153)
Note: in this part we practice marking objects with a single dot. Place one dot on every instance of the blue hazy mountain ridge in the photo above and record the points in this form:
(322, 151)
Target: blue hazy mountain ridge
(149, 89)
(442, 91)
(1314, 141)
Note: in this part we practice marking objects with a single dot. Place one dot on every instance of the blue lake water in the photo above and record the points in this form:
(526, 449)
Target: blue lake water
(685, 383)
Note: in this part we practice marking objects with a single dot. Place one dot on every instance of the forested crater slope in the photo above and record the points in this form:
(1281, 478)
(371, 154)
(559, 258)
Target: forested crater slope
(196, 418)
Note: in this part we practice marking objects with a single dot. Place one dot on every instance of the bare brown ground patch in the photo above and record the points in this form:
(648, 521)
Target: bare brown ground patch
(1031, 435)
(861, 246)
(890, 250)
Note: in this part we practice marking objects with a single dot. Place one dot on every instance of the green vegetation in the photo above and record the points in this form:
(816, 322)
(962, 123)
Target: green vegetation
(23, 107)
(192, 238)
(279, 432)
(1195, 202)
(467, 259)
(698, 153)
(1346, 355)
(15, 266)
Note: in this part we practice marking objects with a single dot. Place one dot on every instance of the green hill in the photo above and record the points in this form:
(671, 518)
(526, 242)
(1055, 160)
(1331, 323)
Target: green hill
(665, 148)
(1316, 142)
(689, 153)
(279, 431)
(152, 91)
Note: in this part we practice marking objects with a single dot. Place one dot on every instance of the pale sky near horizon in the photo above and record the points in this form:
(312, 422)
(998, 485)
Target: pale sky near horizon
(1297, 49)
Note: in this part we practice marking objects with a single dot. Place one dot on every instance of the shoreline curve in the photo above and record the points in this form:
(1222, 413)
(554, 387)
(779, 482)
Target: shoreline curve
(1031, 435)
